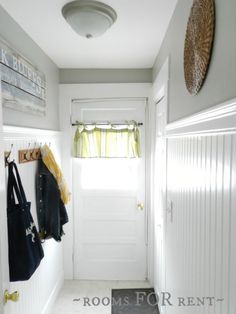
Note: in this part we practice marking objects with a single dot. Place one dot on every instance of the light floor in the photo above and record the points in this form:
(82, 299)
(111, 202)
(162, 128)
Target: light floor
(82, 296)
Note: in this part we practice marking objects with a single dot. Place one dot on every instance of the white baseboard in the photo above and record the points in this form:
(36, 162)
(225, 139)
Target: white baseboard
(52, 297)
(158, 293)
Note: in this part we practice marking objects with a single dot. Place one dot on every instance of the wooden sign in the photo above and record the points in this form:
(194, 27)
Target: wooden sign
(23, 86)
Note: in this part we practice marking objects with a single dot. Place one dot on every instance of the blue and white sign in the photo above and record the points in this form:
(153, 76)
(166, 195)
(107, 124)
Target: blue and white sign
(23, 86)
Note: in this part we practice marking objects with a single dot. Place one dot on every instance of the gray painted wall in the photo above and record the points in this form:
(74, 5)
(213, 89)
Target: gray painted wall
(220, 84)
(80, 76)
(11, 32)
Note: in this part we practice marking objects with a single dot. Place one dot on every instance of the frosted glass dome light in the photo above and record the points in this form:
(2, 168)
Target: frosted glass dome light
(89, 18)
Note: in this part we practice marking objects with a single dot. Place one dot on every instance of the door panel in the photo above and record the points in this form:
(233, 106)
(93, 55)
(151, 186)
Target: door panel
(4, 284)
(109, 227)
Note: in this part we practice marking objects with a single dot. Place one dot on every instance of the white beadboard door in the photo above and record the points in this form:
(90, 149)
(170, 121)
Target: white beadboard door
(201, 219)
(109, 227)
(35, 296)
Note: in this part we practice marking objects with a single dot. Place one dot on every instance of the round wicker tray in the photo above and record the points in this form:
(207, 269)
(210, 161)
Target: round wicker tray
(198, 44)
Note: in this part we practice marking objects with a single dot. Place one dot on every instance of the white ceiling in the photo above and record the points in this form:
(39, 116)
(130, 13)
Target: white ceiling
(132, 42)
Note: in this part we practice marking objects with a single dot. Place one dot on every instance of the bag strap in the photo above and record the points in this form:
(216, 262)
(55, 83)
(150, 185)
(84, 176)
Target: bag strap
(14, 185)
(19, 183)
(10, 184)
(12, 188)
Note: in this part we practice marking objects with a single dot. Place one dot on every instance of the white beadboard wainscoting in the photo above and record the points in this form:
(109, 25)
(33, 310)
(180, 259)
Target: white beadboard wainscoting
(200, 219)
(38, 294)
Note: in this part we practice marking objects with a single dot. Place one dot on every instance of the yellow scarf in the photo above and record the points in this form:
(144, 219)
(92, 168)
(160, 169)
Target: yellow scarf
(51, 164)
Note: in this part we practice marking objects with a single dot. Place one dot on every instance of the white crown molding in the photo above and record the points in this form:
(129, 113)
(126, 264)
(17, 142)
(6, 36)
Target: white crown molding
(19, 132)
(215, 120)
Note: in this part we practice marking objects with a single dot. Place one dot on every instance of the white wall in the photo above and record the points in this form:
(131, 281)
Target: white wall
(221, 80)
(88, 76)
(200, 257)
(37, 294)
(12, 33)
(84, 91)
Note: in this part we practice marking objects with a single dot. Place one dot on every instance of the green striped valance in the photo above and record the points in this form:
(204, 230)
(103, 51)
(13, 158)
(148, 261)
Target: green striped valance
(107, 141)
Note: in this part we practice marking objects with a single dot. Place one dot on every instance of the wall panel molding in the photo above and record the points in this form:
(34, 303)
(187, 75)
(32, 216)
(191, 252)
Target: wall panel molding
(201, 186)
(37, 294)
(217, 119)
(14, 131)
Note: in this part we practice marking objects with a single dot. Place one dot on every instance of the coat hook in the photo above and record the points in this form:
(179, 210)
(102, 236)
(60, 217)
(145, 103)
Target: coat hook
(10, 151)
(28, 154)
(33, 153)
(8, 156)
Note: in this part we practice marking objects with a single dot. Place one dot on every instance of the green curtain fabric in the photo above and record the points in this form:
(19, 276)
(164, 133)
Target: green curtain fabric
(107, 141)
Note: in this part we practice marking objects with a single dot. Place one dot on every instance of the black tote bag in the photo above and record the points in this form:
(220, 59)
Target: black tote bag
(25, 249)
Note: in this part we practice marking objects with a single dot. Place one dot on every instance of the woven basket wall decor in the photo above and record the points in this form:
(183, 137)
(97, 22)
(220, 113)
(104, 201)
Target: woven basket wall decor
(198, 44)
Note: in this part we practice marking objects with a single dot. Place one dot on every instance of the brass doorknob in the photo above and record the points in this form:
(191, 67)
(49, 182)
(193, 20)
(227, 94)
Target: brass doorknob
(11, 296)
(140, 206)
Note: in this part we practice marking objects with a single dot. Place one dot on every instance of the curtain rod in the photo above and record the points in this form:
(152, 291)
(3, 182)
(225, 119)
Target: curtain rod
(90, 123)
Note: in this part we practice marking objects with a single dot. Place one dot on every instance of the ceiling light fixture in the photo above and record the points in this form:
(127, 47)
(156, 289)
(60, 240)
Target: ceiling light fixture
(89, 18)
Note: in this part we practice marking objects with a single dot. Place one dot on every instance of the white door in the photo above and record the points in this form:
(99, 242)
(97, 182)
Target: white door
(160, 196)
(4, 272)
(109, 225)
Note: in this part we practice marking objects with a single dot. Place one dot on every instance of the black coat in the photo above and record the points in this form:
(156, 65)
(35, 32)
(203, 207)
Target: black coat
(51, 211)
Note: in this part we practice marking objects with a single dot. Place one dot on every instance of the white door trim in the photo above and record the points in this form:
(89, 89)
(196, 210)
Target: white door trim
(98, 99)
(68, 92)
(159, 90)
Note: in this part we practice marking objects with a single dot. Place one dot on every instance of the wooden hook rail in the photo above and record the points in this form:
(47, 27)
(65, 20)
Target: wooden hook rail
(27, 155)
